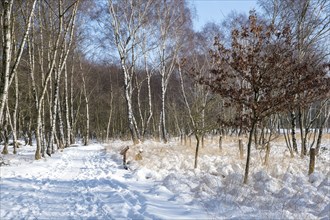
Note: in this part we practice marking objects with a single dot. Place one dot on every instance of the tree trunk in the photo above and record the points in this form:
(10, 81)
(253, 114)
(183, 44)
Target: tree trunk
(302, 133)
(220, 143)
(5, 134)
(11, 122)
(128, 96)
(293, 131)
(312, 161)
(150, 104)
(44, 138)
(256, 137)
(162, 122)
(197, 150)
(54, 114)
(130, 117)
(247, 165)
(29, 134)
(286, 134)
(73, 121)
(61, 128)
(241, 148)
(86, 135)
(14, 129)
(7, 75)
(52, 58)
(38, 135)
(110, 115)
(142, 120)
(66, 107)
(6, 59)
(267, 154)
(319, 138)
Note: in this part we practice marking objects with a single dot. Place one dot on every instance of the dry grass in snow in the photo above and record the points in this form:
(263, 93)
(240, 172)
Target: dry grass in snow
(280, 190)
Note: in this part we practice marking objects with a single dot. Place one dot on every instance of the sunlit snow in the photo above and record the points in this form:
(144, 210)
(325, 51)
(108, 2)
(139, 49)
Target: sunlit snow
(91, 182)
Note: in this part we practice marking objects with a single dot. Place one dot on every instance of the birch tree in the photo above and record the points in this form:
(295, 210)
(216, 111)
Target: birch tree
(67, 23)
(11, 60)
(173, 19)
(86, 96)
(147, 47)
(64, 31)
(127, 18)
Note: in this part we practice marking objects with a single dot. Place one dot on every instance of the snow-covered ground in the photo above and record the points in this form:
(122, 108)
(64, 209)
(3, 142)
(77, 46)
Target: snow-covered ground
(90, 182)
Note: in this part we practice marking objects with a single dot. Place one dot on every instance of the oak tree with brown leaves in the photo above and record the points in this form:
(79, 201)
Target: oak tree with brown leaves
(258, 73)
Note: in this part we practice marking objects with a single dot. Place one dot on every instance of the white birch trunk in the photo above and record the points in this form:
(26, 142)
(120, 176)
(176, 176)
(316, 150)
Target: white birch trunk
(162, 122)
(130, 116)
(110, 115)
(126, 43)
(6, 59)
(86, 135)
(72, 140)
(66, 107)
(149, 101)
(7, 74)
(44, 89)
(61, 127)
(53, 114)
(14, 128)
(164, 76)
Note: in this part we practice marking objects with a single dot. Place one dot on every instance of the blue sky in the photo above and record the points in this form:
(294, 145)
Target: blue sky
(217, 10)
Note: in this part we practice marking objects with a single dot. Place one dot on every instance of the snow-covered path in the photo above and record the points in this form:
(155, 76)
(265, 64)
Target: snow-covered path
(85, 182)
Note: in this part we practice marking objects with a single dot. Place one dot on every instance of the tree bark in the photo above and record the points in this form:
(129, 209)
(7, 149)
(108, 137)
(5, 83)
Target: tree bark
(61, 127)
(72, 118)
(67, 107)
(197, 150)
(110, 115)
(267, 154)
(293, 131)
(5, 135)
(312, 161)
(14, 127)
(220, 143)
(86, 133)
(247, 165)
(6, 59)
(321, 127)
(162, 121)
(240, 147)
(8, 74)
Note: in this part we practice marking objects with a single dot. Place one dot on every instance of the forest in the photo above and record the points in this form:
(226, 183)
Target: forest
(136, 70)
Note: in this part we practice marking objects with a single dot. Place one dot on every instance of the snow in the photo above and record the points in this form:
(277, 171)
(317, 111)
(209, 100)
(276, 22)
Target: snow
(90, 182)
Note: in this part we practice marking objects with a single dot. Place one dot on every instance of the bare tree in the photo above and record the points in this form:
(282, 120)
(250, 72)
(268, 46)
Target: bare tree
(127, 18)
(200, 107)
(147, 45)
(86, 95)
(200, 103)
(10, 60)
(65, 28)
(69, 28)
(173, 18)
